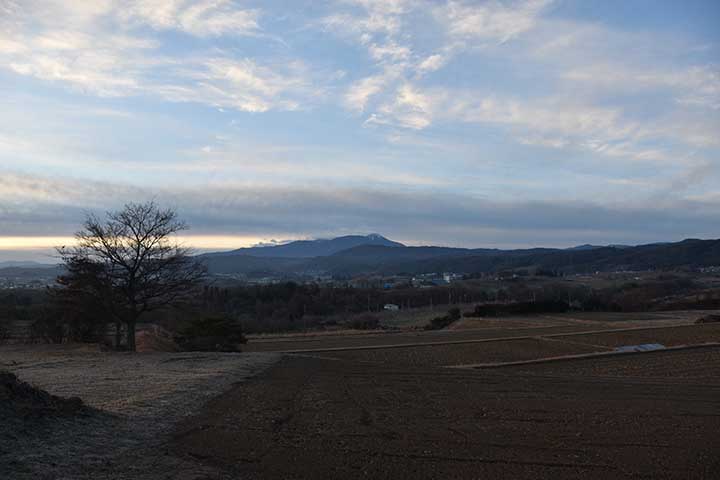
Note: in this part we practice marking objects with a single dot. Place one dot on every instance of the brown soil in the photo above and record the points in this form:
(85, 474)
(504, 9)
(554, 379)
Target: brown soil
(435, 336)
(532, 326)
(699, 365)
(322, 418)
(466, 353)
(483, 347)
(380, 412)
(685, 335)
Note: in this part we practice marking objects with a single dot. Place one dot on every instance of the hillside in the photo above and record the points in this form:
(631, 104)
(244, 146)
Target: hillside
(385, 257)
(388, 260)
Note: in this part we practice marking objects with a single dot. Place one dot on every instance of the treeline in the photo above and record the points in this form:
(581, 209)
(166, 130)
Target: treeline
(519, 308)
(290, 306)
(20, 306)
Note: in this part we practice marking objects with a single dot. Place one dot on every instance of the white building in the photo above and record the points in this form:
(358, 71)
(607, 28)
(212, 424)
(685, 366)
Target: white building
(451, 277)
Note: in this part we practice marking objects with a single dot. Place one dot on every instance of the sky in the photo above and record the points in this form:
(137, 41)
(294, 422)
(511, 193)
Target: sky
(463, 123)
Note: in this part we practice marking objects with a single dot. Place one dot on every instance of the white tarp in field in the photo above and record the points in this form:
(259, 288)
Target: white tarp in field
(644, 347)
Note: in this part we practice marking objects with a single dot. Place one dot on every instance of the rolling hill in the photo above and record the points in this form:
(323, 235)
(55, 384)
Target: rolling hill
(382, 256)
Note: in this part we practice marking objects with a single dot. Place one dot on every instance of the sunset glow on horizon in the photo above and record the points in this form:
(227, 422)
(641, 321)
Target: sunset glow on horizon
(220, 242)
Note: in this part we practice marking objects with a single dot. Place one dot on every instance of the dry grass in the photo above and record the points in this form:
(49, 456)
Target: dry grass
(137, 397)
(129, 384)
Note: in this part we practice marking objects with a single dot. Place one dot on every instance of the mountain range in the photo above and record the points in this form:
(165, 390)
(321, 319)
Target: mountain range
(353, 255)
(375, 254)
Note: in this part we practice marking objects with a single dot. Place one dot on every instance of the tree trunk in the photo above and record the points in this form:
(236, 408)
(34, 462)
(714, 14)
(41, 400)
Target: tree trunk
(118, 333)
(131, 335)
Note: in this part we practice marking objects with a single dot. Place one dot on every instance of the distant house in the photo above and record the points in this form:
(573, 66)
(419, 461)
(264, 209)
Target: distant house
(392, 307)
(449, 277)
(425, 280)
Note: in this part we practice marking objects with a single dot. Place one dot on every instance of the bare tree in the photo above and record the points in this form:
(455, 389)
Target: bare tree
(134, 264)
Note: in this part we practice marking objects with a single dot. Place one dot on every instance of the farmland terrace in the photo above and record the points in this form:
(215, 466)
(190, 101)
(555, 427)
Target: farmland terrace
(544, 397)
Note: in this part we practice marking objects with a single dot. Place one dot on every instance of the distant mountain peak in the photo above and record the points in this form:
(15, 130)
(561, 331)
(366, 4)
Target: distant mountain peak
(585, 246)
(321, 247)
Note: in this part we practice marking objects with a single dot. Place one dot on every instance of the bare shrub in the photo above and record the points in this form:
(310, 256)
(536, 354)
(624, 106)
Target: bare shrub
(212, 334)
